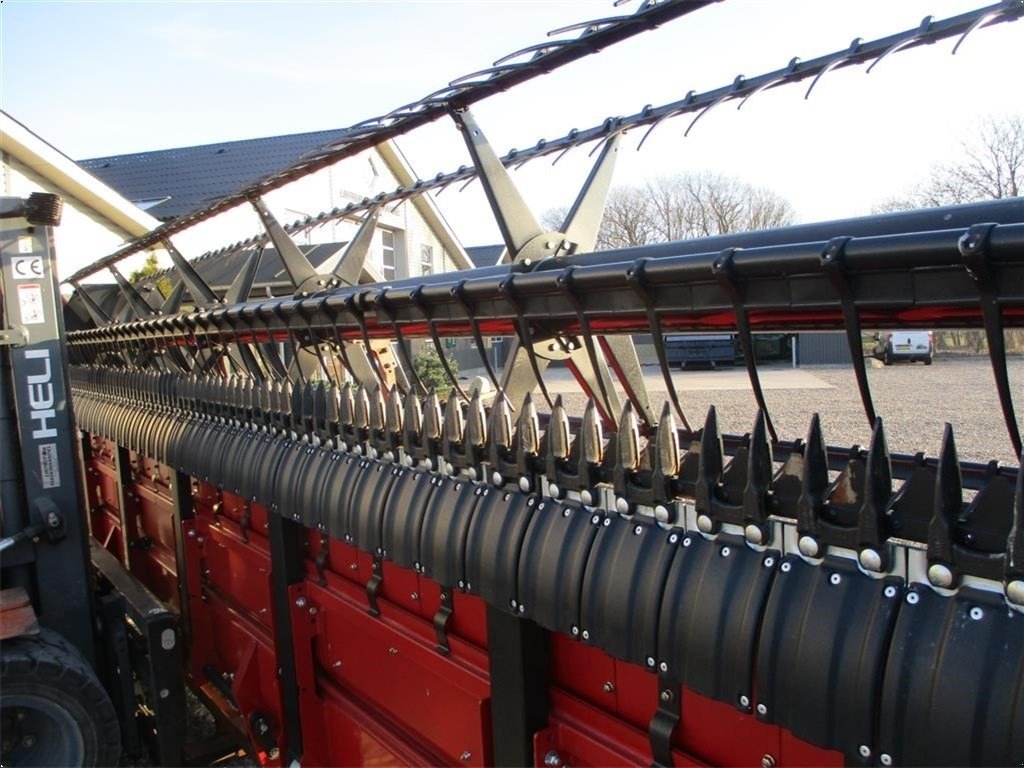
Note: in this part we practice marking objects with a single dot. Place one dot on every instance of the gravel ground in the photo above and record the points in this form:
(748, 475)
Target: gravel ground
(915, 401)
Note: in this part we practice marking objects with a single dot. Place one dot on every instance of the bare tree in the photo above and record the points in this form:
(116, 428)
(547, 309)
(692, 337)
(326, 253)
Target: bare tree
(683, 206)
(991, 168)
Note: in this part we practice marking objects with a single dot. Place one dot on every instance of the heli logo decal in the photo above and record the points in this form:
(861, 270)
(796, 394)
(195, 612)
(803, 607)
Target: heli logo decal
(42, 414)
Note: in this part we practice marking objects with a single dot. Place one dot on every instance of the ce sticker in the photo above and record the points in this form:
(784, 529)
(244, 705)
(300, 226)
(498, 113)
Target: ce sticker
(26, 267)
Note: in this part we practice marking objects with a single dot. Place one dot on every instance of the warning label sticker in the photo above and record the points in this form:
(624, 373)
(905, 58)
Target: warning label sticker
(49, 468)
(30, 298)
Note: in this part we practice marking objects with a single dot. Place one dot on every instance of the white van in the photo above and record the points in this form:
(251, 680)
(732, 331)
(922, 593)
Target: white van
(894, 346)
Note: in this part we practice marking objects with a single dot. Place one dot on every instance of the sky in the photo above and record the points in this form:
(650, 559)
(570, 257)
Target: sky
(99, 79)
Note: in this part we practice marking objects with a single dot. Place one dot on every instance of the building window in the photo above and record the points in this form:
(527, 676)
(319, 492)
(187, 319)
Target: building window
(427, 259)
(387, 254)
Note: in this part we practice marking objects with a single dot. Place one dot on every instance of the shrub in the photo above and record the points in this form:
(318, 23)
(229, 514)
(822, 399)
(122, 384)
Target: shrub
(431, 371)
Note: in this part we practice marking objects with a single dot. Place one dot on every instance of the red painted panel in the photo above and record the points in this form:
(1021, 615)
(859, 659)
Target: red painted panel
(435, 698)
(155, 568)
(236, 570)
(155, 517)
(636, 693)
(581, 735)
(469, 614)
(400, 586)
(353, 737)
(236, 648)
(246, 517)
(723, 735)
(584, 670)
(105, 526)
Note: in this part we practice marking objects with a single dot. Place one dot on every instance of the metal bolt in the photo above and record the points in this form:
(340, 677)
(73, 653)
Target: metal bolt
(767, 761)
(1015, 592)
(522, 609)
(864, 750)
(274, 753)
(835, 579)
(769, 562)
(650, 661)
(414, 596)
(890, 591)
(725, 552)
(638, 530)
(762, 710)
(744, 701)
(870, 560)
(808, 546)
(687, 541)
(164, 693)
(666, 695)
(313, 610)
(663, 667)
(28, 741)
(608, 687)
(754, 534)
(885, 758)
(705, 524)
(575, 630)
(553, 760)
(913, 597)
(940, 575)
(513, 604)
(977, 614)
(465, 756)
(566, 512)
(392, 650)
(673, 538)
(301, 602)
(191, 533)
(585, 634)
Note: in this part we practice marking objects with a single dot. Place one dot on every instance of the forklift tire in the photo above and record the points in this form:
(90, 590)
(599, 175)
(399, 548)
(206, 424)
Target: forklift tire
(54, 710)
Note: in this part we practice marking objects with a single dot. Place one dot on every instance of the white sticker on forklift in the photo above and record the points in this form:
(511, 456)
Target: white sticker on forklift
(27, 267)
(30, 297)
(49, 469)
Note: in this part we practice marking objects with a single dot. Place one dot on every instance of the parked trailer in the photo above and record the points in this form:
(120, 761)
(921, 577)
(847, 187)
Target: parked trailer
(350, 568)
(701, 349)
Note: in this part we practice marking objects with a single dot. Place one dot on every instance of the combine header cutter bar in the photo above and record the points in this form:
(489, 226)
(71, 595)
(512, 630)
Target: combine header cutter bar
(366, 570)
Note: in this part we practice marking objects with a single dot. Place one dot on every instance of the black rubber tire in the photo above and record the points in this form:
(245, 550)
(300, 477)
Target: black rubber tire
(887, 358)
(927, 361)
(46, 677)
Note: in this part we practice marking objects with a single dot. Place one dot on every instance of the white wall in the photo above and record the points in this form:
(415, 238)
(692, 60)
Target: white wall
(351, 180)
